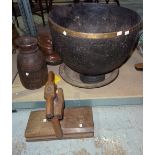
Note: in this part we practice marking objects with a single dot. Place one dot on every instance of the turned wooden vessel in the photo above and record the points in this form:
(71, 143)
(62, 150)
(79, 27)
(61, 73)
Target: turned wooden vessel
(31, 63)
(46, 46)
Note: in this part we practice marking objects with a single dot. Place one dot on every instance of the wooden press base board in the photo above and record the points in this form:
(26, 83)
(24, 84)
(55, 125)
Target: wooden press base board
(77, 123)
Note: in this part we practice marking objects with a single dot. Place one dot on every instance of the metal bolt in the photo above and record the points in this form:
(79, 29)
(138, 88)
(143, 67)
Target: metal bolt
(64, 33)
(80, 125)
(27, 74)
(44, 120)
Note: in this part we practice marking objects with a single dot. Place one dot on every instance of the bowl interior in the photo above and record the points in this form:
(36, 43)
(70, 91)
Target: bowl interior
(94, 17)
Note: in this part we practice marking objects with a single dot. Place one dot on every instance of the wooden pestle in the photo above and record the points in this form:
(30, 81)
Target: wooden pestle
(58, 113)
(57, 127)
(49, 95)
(59, 104)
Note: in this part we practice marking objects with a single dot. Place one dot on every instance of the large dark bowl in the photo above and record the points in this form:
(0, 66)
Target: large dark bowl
(94, 38)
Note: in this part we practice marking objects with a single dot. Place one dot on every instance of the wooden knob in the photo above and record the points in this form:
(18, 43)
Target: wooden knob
(139, 67)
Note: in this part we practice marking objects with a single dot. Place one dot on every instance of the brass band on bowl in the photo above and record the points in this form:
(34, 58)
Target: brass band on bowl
(69, 32)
